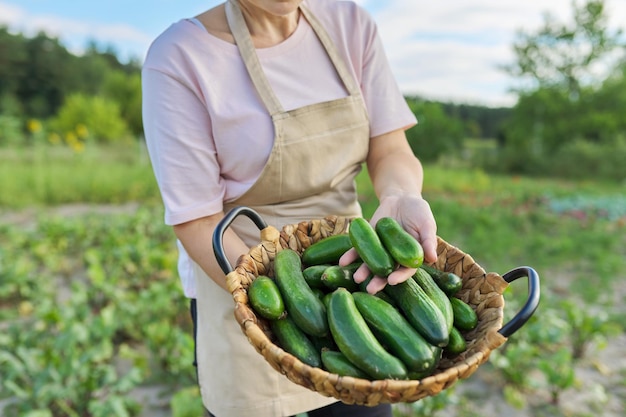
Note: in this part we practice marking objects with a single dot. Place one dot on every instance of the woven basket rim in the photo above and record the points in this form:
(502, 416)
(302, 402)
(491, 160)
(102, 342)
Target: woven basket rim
(480, 289)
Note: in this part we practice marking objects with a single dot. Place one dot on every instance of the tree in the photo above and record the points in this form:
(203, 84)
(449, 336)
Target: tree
(125, 89)
(566, 100)
(436, 133)
(566, 55)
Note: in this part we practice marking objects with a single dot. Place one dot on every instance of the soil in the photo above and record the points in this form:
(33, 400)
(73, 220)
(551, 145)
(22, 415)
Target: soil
(601, 377)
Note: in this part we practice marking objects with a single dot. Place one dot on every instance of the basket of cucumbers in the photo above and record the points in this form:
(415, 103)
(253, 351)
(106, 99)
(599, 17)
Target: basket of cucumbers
(308, 318)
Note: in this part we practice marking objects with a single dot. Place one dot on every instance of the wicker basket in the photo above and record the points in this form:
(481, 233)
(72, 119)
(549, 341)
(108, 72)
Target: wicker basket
(483, 291)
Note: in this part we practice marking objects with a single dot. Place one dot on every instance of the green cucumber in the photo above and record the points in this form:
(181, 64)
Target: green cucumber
(400, 244)
(420, 311)
(293, 340)
(449, 282)
(265, 298)
(336, 276)
(357, 342)
(416, 376)
(465, 317)
(301, 303)
(319, 293)
(456, 344)
(322, 343)
(436, 294)
(327, 250)
(370, 248)
(393, 330)
(336, 362)
(313, 275)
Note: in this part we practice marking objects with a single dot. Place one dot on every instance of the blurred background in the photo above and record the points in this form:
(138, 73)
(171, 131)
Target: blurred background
(522, 132)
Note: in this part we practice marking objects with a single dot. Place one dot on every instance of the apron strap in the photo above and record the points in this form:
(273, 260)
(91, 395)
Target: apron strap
(242, 37)
(248, 54)
(332, 52)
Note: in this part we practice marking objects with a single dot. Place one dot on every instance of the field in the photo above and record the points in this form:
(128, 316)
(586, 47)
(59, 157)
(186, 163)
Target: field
(92, 318)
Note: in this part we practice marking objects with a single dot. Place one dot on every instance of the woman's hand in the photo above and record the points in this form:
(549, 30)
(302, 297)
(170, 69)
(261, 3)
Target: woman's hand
(416, 217)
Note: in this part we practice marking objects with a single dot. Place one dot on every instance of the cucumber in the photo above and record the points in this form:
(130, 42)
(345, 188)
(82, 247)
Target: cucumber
(449, 282)
(326, 300)
(456, 344)
(265, 298)
(436, 294)
(336, 276)
(400, 244)
(437, 353)
(327, 250)
(301, 303)
(370, 248)
(395, 332)
(293, 340)
(416, 376)
(336, 362)
(357, 342)
(319, 293)
(420, 311)
(322, 343)
(465, 317)
(313, 275)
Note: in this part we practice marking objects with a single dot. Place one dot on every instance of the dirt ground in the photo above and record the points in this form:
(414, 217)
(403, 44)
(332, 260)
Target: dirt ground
(601, 377)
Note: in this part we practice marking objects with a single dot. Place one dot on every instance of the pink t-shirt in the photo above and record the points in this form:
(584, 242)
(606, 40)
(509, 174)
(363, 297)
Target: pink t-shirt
(209, 135)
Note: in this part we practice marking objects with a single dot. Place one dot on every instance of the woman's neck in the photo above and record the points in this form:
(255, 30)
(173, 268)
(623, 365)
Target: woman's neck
(270, 24)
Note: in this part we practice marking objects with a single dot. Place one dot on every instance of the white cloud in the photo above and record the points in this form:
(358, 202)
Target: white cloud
(10, 14)
(455, 49)
(127, 40)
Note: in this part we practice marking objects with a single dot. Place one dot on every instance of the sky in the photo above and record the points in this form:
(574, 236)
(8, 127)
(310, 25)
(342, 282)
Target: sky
(448, 50)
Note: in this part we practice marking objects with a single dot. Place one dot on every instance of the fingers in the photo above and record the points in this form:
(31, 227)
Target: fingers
(361, 274)
(396, 277)
(376, 284)
(348, 257)
(400, 275)
(429, 246)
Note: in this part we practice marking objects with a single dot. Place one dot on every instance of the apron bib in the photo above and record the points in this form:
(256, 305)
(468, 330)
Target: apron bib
(317, 152)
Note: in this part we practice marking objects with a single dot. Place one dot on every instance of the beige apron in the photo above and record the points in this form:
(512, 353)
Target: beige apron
(318, 150)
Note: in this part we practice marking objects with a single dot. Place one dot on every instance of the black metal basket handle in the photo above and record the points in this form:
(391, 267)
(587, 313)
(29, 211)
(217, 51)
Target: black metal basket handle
(531, 303)
(218, 234)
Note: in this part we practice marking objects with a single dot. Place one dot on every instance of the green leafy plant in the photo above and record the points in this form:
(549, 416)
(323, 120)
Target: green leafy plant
(62, 363)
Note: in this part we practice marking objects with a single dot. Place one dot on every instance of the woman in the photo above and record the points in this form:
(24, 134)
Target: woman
(273, 105)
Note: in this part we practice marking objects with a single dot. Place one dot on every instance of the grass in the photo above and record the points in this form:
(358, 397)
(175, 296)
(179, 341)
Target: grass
(43, 176)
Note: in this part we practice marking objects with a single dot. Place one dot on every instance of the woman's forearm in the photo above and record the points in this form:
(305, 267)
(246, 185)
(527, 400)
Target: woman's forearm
(196, 237)
(392, 166)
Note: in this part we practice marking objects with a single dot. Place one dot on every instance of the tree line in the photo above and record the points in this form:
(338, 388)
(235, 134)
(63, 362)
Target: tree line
(40, 80)
(568, 120)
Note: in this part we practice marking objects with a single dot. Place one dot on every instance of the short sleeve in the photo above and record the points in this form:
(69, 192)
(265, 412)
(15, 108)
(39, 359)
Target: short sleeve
(177, 128)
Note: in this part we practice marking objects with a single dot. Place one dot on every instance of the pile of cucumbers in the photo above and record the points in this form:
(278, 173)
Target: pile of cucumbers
(321, 316)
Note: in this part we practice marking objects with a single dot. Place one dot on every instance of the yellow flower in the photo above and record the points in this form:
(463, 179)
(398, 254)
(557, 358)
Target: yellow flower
(71, 138)
(78, 146)
(82, 131)
(33, 126)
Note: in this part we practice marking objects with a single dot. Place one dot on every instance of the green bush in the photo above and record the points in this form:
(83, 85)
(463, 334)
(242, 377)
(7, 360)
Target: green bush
(580, 159)
(435, 134)
(85, 117)
(10, 131)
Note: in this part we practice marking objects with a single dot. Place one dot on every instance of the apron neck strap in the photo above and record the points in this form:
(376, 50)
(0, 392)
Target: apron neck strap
(240, 32)
(332, 52)
(242, 37)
